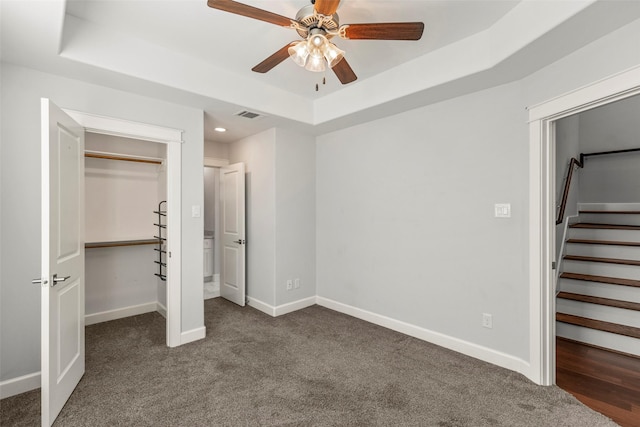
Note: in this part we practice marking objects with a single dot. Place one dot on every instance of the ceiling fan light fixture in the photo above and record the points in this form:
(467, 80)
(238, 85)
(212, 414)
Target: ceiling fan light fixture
(332, 54)
(316, 63)
(299, 52)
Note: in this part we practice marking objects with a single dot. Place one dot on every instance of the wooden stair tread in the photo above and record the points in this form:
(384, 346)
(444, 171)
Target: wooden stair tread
(610, 212)
(591, 225)
(600, 325)
(603, 242)
(604, 260)
(599, 300)
(601, 279)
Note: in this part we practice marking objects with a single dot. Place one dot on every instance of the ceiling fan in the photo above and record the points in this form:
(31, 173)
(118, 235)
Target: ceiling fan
(317, 23)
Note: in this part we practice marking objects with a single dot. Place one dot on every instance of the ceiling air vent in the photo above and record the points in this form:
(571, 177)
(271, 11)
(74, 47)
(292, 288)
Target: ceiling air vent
(248, 114)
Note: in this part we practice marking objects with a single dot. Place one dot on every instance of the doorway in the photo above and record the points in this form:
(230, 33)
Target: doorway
(225, 231)
(542, 241)
(125, 227)
(172, 138)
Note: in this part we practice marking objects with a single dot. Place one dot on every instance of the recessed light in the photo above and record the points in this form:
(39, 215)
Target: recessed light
(220, 129)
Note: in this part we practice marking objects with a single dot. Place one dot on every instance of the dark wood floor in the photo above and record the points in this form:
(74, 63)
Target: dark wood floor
(605, 381)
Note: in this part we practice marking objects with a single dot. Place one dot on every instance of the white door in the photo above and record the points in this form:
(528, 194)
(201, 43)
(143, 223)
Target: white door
(62, 281)
(232, 280)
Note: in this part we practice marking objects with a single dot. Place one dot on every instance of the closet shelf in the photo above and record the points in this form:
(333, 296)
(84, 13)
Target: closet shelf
(113, 156)
(116, 243)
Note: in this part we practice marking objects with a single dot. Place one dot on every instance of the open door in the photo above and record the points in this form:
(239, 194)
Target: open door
(232, 274)
(62, 280)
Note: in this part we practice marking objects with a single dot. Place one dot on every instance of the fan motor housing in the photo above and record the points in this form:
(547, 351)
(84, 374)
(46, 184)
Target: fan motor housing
(308, 20)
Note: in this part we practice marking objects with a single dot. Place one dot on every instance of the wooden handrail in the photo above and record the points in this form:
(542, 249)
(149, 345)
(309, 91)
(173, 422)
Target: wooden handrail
(601, 153)
(580, 163)
(565, 195)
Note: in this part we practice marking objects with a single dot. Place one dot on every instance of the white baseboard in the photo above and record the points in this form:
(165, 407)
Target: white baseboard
(193, 335)
(470, 349)
(262, 306)
(19, 385)
(119, 313)
(275, 311)
(160, 308)
(294, 306)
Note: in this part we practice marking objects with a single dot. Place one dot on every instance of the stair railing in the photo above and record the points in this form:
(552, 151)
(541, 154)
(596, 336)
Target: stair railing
(565, 196)
(580, 163)
(567, 185)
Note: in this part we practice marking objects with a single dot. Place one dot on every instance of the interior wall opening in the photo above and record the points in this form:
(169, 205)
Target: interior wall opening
(125, 227)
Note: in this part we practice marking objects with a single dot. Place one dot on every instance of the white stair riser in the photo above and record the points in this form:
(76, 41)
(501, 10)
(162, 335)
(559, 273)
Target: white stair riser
(620, 316)
(622, 293)
(602, 339)
(602, 269)
(624, 219)
(603, 251)
(605, 234)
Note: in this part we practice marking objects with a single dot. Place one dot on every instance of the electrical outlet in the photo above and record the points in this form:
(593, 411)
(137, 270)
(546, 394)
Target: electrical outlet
(487, 320)
(296, 283)
(289, 284)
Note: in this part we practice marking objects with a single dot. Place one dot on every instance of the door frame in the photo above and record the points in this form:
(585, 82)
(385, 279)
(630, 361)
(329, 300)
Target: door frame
(542, 119)
(173, 139)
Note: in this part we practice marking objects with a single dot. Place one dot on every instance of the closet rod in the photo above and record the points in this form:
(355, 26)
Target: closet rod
(113, 156)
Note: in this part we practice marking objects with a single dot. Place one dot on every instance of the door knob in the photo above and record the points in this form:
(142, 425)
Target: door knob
(240, 242)
(39, 281)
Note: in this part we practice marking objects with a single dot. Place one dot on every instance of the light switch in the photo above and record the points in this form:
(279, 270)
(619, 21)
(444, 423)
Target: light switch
(195, 211)
(503, 210)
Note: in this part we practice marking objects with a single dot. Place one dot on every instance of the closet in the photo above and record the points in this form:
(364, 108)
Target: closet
(125, 224)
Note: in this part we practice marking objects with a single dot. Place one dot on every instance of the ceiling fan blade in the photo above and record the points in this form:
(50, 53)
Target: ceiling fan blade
(344, 72)
(249, 11)
(326, 7)
(273, 60)
(383, 31)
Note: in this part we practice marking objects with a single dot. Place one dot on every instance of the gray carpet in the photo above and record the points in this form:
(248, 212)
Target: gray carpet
(314, 367)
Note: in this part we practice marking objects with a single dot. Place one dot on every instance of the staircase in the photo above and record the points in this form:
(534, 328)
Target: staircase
(598, 302)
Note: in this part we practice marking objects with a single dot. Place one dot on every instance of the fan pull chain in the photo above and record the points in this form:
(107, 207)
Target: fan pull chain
(324, 82)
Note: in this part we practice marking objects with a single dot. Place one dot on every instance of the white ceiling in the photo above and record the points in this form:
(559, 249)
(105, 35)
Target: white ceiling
(238, 43)
(186, 52)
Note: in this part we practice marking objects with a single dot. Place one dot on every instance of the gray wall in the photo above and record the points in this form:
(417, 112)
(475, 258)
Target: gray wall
(611, 178)
(258, 154)
(404, 204)
(295, 215)
(405, 222)
(20, 216)
(280, 181)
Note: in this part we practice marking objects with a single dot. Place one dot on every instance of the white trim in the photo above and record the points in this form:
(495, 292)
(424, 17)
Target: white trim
(275, 311)
(294, 306)
(19, 385)
(601, 92)
(120, 313)
(193, 335)
(609, 206)
(470, 349)
(173, 138)
(174, 244)
(572, 219)
(125, 128)
(542, 118)
(215, 162)
(261, 306)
